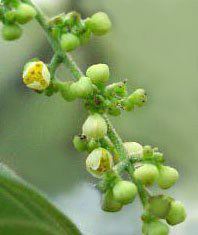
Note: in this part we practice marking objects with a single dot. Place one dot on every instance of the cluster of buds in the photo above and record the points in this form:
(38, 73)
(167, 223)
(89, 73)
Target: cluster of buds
(149, 169)
(72, 31)
(103, 159)
(12, 15)
(102, 162)
(98, 97)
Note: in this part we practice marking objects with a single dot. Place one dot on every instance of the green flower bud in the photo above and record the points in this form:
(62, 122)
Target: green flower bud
(147, 174)
(128, 106)
(124, 192)
(98, 73)
(99, 23)
(36, 75)
(99, 161)
(118, 89)
(177, 213)
(83, 87)
(72, 18)
(57, 20)
(95, 127)
(137, 98)
(69, 42)
(10, 16)
(155, 228)
(65, 90)
(114, 111)
(147, 152)
(168, 176)
(25, 13)
(133, 149)
(159, 206)
(80, 143)
(11, 32)
(158, 157)
(93, 144)
(109, 204)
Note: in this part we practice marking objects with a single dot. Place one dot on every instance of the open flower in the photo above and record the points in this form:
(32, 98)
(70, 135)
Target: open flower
(36, 75)
(99, 161)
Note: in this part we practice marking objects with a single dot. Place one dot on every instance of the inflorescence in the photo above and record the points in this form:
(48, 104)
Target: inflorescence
(108, 158)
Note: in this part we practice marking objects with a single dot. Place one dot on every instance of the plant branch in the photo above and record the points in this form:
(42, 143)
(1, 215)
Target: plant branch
(77, 73)
(128, 166)
(67, 59)
(54, 64)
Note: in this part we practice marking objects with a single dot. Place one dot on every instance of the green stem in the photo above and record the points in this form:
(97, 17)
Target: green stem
(115, 138)
(54, 64)
(75, 70)
(43, 21)
(77, 73)
(118, 143)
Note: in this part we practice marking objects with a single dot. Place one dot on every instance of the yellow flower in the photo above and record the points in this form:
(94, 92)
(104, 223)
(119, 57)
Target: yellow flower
(36, 76)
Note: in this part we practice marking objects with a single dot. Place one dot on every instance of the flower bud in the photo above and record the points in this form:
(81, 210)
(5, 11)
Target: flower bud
(93, 144)
(98, 73)
(136, 98)
(159, 206)
(65, 90)
(147, 174)
(10, 16)
(124, 192)
(109, 204)
(11, 32)
(57, 20)
(147, 152)
(82, 88)
(80, 142)
(69, 42)
(36, 75)
(99, 23)
(72, 18)
(168, 176)
(25, 13)
(177, 213)
(158, 157)
(118, 89)
(99, 161)
(95, 127)
(133, 149)
(114, 110)
(155, 228)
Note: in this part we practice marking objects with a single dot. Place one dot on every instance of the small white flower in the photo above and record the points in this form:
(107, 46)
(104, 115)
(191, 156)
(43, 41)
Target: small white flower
(99, 161)
(133, 149)
(36, 75)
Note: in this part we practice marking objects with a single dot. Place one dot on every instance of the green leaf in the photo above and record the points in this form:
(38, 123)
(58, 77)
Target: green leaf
(25, 211)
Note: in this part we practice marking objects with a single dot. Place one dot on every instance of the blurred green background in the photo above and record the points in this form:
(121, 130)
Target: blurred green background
(154, 44)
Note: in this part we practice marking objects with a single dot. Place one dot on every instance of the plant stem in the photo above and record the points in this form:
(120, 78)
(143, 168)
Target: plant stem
(55, 62)
(77, 73)
(118, 143)
(43, 21)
